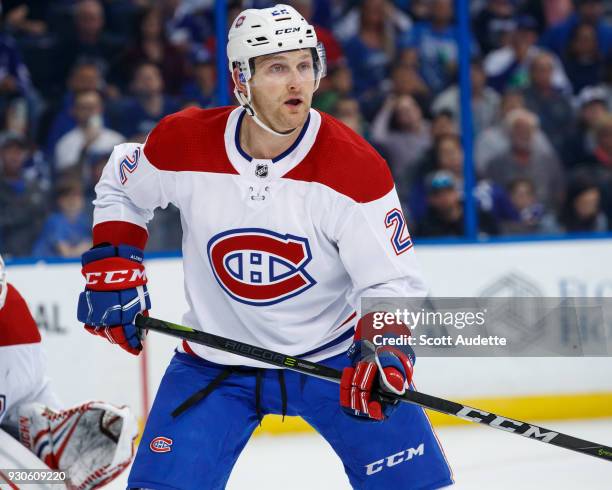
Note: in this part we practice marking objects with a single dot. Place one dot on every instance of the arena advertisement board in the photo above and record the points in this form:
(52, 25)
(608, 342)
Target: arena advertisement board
(82, 367)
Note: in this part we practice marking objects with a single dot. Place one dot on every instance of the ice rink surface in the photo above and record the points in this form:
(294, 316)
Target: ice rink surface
(482, 459)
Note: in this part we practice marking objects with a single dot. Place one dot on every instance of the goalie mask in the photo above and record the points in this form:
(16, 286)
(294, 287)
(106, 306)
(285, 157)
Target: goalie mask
(260, 32)
(3, 283)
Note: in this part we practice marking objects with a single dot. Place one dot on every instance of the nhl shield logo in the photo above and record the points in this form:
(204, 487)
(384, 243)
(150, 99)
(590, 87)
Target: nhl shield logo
(260, 267)
(261, 170)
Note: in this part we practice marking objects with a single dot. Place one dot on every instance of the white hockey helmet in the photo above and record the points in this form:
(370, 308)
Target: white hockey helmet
(3, 283)
(258, 32)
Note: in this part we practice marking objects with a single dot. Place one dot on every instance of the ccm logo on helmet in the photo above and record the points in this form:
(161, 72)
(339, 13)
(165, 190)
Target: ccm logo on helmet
(115, 277)
(161, 445)
(287, 31)
(260, 267)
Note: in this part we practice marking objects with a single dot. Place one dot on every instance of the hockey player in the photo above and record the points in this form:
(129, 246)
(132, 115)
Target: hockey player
(289, 219)
(91, 443)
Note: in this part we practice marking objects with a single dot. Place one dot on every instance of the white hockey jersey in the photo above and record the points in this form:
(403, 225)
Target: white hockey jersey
(22, 361)
(277, 253)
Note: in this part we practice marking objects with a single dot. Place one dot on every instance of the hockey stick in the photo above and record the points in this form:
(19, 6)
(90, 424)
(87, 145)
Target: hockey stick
(427, 401)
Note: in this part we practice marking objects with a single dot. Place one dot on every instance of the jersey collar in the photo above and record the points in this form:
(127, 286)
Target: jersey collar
(281, 164)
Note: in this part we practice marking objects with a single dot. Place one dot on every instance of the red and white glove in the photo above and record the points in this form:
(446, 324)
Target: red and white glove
(374, 372)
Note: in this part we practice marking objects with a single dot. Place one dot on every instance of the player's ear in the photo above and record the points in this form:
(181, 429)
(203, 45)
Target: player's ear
(240, 85)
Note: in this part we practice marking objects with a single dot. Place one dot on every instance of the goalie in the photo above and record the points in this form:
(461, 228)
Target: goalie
(92, 443)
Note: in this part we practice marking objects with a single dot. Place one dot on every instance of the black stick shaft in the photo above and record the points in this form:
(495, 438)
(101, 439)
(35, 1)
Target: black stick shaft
(427, 401)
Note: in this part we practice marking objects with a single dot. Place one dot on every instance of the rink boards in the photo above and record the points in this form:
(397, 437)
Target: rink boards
(82, 367)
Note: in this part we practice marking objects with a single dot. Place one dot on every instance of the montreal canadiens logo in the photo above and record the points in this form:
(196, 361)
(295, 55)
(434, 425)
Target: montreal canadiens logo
(260, 267)
(161, 445)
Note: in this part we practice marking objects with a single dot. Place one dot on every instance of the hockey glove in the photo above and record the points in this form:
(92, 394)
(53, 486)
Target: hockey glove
(115, 292)
(374, 372)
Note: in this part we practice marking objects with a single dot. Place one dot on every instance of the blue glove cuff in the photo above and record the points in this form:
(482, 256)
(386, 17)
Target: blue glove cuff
(107, 251)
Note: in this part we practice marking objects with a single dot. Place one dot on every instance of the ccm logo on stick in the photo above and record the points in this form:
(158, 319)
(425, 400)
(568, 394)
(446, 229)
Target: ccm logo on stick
(260, 267)
(509, 425)
(161, 445)
(115, 277)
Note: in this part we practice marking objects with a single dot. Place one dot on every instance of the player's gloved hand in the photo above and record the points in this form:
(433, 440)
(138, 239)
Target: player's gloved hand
(374, 372)
(115, 292)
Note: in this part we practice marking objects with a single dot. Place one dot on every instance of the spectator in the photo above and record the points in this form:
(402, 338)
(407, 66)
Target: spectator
(14, 75)
(84, 76)
(370, 51)
(66, 232)
(581, 143)
(340, 86)
(94, 166)
(89, 136)
(493, 24)
(165, 231)
(485, 101)
(444, 215)
(582, 60)
(508, 67)
(333, 50)
(202, 89)
(347, 111)
(437, 45)
(151, 45)
(550, 105)
(494, 140)
(443, 124)
(26, 18)
(20, 104)
(527, 212)
(87, 41)
(600, 161)
(587, 11)
(448, 155)
(602, 154)
(23, 201)
(419, 10)
(135, 116)
(185, 26)
(582, 211)
(522, 158)
(403, 135)
(405, 80)
(349, 24)
(607, 81)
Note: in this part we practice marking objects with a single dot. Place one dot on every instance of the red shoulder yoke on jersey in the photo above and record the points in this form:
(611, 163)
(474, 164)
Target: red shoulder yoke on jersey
(17, 326)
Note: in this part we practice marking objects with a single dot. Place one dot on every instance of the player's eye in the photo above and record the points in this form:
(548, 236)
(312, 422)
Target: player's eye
(305, 67)
(277, 68)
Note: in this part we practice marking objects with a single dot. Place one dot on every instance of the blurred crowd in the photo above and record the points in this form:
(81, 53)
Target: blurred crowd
(78, 77)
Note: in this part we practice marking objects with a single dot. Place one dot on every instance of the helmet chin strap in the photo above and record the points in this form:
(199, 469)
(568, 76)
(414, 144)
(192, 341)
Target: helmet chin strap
(248, 106)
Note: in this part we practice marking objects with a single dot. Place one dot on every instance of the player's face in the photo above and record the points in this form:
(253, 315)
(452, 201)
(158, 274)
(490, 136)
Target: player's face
(282, 88)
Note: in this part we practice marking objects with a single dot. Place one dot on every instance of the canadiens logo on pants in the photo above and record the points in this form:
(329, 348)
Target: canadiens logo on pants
(161, 445)
(260, 267)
